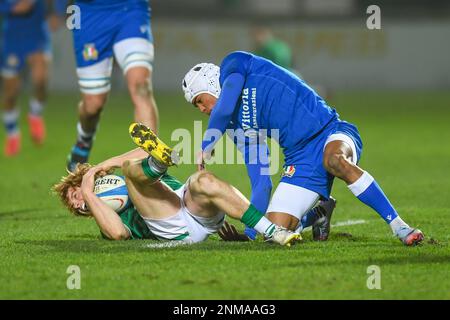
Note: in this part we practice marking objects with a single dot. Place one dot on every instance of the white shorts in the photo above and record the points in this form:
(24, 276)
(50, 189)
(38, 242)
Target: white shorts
(184, 225)
(129, 53)
(293, 200)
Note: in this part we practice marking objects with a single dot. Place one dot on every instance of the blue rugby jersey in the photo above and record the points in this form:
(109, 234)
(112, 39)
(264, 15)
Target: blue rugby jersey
(111, 4)
(257, 94)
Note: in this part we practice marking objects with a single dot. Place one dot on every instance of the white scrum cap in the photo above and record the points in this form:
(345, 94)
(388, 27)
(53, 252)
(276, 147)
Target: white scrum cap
(202, 78)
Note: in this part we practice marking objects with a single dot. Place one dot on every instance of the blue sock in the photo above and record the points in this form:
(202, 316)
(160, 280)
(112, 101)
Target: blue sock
(250, 232)
(308, 219)
(369, 192)
(10, 121)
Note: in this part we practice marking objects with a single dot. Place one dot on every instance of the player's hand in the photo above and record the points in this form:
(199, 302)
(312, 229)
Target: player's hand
(228, 232)
(22, 7)
(200, 161)
(108, 166)
(203, 156)
(87, 184)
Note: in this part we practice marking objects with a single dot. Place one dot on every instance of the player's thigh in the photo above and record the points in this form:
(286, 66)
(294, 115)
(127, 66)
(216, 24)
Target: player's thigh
(198, 204)
(289, 203)
(153, 200)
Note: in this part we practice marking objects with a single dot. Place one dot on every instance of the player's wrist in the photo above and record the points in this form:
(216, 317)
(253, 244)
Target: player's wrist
(88, 194)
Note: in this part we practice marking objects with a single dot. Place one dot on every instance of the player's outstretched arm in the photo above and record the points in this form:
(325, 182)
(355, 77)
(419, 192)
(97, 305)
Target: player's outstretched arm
(224, 109)
(106, 218)
(256, 157)
(118, 161)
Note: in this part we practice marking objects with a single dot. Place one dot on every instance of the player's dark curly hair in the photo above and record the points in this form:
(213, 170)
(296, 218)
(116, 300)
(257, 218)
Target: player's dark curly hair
(72, 180)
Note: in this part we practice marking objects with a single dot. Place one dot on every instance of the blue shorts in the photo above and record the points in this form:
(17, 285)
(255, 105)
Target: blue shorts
(304, 165)
(101, 29)
(15, 50)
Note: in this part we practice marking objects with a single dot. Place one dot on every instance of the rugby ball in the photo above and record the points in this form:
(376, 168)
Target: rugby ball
(112, 190)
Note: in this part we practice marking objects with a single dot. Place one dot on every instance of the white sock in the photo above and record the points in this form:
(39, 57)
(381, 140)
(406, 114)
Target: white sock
(83, 135)
(10, 120)
(265, 226)
(398, 223)
(156, 165)
(360, 185)
(36, 107)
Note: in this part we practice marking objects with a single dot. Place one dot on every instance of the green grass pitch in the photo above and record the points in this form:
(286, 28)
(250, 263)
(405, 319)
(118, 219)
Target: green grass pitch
(406, 148)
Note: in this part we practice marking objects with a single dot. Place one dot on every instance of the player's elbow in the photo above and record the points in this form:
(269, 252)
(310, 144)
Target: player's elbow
(120, 234)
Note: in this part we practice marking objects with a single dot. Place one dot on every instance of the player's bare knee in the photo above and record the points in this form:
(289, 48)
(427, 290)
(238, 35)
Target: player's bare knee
(205, 183)
(141, 88)
(337, 164)
(92, 105)
(133, 171)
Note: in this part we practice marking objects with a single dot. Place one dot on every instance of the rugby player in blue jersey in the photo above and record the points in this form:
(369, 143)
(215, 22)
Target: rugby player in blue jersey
(119, 28)
(251, 93)
(26, 40)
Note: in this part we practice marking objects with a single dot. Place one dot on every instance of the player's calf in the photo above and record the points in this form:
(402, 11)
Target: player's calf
(284, 220)
(143, 171)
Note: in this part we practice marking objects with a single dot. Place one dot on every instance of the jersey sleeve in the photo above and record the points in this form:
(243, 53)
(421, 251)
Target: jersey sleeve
(223, 110)
(235, 62)
(256, 157)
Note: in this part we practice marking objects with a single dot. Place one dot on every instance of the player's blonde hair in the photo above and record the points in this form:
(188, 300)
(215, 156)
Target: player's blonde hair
(72, 180)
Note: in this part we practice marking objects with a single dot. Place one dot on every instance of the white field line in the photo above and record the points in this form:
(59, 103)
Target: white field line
(344, 223)
(172, 244)
(166, 244)
(348, 223)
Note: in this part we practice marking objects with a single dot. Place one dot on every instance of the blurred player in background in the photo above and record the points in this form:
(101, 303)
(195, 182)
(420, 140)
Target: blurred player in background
(269, 47)
(119, 28)
(279, 52)
(26, 40)
(249, 93)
